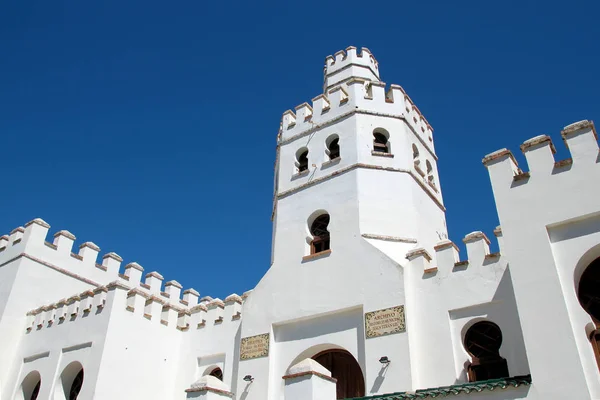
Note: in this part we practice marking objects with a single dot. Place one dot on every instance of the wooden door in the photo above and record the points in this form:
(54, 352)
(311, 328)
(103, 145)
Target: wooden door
(344, 368)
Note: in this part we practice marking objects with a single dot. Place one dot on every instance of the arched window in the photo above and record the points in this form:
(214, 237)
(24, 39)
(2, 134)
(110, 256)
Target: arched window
(217, 373)
(76, 385)
(415, 152)
(483, 341)
(334, 149)
(589, 298)
(30, 388)
(320, 234)
(430, 176)
(380, 143)
(36, 391)
(70, 383)
(303, 161)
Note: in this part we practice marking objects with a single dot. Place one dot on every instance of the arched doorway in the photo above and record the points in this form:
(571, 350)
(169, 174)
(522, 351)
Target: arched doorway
(588, 294)
(344, 368)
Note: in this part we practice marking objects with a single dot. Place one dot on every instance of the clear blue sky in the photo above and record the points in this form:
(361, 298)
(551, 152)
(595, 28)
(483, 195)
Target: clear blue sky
(149, 127)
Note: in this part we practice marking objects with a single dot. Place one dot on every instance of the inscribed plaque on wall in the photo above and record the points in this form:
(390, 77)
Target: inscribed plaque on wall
(385, 322)
(254, 347)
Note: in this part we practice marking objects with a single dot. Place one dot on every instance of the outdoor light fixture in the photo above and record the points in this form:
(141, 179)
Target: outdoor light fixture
(248, 378)
(384, 360)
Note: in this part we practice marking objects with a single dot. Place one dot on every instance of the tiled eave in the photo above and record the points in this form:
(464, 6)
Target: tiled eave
(466, 388)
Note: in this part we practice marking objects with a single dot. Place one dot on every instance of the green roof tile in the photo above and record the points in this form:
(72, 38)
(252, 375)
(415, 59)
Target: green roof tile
(471, 387)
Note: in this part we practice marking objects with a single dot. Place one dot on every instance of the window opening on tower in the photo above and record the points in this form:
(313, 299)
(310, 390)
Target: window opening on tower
(303, 161)
(321, 239)
(430, 177)
(334, 149)
(380, 143)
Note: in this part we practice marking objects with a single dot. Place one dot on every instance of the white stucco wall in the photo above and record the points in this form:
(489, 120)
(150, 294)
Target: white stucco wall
(550, 225)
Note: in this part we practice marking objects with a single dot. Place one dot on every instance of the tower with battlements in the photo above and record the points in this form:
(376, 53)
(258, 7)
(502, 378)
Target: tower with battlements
(366, 296)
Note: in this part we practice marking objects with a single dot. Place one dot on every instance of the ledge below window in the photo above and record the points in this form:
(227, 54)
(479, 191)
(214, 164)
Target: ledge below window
(381, 154)
(329, 163)
(300, 174)
(316, 256)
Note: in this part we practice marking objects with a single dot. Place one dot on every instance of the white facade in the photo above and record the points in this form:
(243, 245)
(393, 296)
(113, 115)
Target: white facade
(139, 338)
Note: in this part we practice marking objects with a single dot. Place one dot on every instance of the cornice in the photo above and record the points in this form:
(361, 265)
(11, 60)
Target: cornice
(364, 166)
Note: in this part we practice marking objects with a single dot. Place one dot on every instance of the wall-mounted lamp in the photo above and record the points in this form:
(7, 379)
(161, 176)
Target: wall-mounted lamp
(248, 378)
(384, 360)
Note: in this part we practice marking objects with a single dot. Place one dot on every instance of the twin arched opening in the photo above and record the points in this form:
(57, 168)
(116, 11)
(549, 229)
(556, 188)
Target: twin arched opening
(68, 386)
(332, 150)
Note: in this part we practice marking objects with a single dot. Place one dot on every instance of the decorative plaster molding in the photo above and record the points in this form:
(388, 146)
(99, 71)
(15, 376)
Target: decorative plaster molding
(389, 238)
(428, 190)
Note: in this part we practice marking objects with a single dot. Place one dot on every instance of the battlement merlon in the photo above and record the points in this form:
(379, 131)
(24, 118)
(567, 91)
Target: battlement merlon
(446, 257)
(581, 141)
(347, 64)
(30, 242)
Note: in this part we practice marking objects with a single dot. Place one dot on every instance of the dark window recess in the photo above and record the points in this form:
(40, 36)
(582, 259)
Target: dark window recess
(483, 341)
(380, 143)
(589, 298)
(344, 368)
(320, 234)
(36, 391)
(595, 340)
(76, 386)
(217, 373)
(589, 290)
(334, 149)
(303, 162)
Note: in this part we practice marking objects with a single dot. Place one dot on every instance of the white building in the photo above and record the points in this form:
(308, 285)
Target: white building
(364, 286)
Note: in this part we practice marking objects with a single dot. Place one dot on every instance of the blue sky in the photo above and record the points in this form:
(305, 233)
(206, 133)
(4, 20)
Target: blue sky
(149, 127)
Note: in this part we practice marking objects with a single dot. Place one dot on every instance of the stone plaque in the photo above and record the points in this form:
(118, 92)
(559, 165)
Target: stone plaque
(385, 322)
(254, 347)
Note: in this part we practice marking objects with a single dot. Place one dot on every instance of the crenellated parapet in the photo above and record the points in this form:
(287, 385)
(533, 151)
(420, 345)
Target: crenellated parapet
(72, 308)
(446, 259)
(215, 312)
(147, 306)
(581, 140)
(30, 242)
(349, 63)
(355, 95)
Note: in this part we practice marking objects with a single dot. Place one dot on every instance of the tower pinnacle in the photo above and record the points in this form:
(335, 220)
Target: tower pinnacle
(348, 64)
